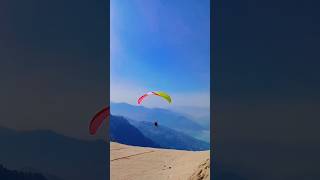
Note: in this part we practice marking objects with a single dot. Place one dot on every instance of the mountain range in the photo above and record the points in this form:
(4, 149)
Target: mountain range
(123, 132)
(6, 174)
(142, 133)
(53, 155)
(171, 119)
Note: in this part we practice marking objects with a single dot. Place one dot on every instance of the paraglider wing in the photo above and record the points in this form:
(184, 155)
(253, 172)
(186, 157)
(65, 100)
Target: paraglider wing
(97, 120)
(143, 96)
(164, 95)
(161, 94)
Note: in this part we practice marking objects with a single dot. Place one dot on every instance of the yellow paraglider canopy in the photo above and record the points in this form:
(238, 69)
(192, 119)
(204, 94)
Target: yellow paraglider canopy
(157, 93)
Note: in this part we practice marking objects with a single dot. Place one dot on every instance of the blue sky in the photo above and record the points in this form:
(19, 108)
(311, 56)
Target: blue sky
(160, 45)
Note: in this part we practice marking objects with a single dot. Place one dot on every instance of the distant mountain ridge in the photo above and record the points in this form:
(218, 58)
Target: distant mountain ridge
(141, 133)
(53, 154)
(6, 174)
(122, 131)
(169, 138)
(168, 118)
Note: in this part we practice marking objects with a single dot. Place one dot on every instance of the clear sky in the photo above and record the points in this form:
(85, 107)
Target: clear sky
(160, 45)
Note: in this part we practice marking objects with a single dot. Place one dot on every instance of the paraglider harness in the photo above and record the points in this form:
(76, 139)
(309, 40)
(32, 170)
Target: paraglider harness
(156, 124)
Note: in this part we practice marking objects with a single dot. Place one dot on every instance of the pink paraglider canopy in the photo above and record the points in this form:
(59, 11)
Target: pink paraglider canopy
(98, 119)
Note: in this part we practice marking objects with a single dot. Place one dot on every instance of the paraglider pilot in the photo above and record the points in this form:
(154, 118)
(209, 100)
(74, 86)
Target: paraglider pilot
(156, 124)
(158, 93)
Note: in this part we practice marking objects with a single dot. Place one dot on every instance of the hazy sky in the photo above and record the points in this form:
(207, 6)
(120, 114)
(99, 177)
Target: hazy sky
(160, 45)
